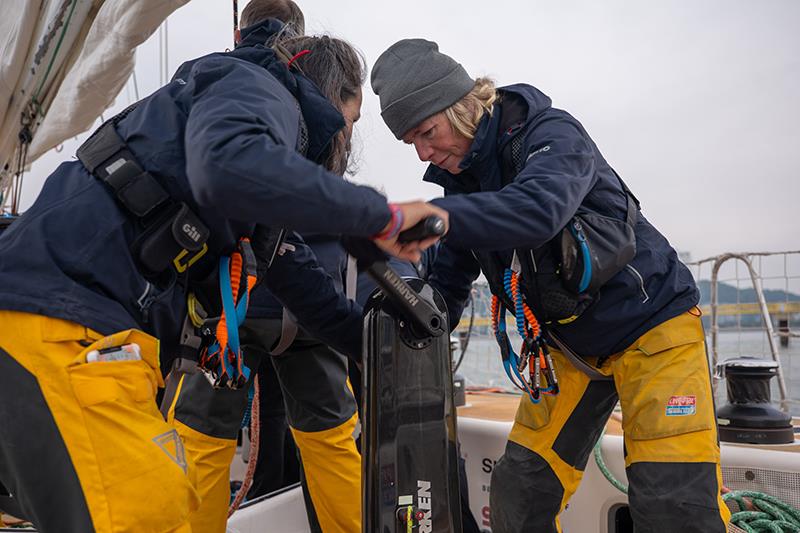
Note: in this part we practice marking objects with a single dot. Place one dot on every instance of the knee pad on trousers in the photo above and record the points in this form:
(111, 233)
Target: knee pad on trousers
(675, 497)
(526, 494)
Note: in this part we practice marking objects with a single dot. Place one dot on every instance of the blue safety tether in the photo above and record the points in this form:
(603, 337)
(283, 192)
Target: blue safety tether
(577, 231)
(223, 358)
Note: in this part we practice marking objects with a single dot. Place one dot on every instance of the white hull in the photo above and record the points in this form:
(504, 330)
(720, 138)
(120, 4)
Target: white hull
(776, 470)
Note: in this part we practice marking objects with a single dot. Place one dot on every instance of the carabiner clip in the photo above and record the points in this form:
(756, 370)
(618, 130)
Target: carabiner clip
(552, 380)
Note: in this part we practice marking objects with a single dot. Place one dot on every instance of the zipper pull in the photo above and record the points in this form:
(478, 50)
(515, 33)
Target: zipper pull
(145, 301)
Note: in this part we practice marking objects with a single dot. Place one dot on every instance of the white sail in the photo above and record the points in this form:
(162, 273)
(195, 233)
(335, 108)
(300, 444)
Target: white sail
(62, 62)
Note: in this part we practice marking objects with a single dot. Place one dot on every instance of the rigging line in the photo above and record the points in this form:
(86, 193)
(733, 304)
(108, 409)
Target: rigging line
(469, 332)
(16, 189)
(37, 94)
(161, 55)
(235, 22)
(15, 182)
(166, 51)
(135, 81)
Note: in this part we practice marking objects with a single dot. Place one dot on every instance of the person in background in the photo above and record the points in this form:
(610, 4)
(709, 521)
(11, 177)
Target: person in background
(525, 185)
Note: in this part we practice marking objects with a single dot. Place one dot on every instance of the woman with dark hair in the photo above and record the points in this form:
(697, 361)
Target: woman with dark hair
(319, 402)
(320, 406)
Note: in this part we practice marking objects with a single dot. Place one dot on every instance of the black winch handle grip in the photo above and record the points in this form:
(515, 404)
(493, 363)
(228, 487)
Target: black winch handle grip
(431, 226)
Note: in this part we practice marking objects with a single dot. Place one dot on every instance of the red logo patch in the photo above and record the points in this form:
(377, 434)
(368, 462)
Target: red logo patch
(681, 406)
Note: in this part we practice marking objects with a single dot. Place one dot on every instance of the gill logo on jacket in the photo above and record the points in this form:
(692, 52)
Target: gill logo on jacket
(192, 232)
(424, 503)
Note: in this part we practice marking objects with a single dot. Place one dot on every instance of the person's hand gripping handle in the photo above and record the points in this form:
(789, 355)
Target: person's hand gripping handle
(406, 216)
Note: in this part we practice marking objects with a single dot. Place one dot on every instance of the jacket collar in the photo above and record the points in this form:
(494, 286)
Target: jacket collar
(260, 32)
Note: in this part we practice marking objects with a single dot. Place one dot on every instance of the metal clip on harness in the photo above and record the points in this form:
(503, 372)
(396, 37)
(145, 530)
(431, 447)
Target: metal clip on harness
(533, 354)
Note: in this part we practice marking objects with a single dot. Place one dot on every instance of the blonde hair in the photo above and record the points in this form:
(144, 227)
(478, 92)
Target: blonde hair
(465, 115)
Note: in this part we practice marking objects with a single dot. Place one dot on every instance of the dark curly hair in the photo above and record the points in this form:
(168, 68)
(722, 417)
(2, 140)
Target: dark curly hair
(339, 71)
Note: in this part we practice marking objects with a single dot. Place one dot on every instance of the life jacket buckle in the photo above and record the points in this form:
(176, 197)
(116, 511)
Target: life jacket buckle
(182, 267)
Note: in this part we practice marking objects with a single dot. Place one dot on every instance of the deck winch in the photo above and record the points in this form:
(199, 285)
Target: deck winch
(749, 417)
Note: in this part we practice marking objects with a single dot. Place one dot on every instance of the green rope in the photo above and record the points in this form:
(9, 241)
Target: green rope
(770, 515)
(601, 464)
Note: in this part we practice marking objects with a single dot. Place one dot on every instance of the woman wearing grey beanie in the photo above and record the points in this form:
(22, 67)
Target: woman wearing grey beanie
(606, 309)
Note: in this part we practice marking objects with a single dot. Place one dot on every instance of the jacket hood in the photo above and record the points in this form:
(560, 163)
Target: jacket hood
(260, 32)
(322, 119)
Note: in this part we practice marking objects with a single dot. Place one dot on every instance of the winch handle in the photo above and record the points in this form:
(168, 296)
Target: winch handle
(431, 226)
(427, 319)
(424, 316)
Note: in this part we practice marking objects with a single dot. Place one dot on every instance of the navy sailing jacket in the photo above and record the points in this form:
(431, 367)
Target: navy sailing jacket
(309, 281)
(328, 257)
(563, 170)
(221, 136)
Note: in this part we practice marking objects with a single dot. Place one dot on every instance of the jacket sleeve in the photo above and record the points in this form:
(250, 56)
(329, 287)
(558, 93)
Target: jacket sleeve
(556, 177)
(241, 160)
(310, 294)
(452, 275)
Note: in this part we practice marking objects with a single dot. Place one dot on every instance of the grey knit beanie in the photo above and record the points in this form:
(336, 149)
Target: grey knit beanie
(414, 80)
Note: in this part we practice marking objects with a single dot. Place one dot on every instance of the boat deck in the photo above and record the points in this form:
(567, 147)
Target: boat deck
(501, 407)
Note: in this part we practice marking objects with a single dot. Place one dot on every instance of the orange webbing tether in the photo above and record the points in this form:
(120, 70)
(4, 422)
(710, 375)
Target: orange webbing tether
(495, 312)
(527, 313)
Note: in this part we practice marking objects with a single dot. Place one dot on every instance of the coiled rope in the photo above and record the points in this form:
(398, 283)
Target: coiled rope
(762, 513)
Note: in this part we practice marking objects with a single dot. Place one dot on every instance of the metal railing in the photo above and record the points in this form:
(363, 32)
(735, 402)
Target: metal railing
(756, 277)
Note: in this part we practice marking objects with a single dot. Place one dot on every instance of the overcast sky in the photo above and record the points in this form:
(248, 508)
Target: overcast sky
(695, 104)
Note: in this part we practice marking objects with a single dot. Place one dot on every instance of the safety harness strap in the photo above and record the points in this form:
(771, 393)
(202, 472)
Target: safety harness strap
(288, 333)
(107, 157)
(577, 361)
(173, 235)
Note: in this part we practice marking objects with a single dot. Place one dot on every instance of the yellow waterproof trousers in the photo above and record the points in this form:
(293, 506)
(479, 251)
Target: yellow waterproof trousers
(332, 466)
(322, 415)
(672, 457)
(208, 425)
(84, 447)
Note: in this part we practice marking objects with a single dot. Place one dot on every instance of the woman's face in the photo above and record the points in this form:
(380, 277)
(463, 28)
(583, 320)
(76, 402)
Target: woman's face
(437, 143)
(351, 110)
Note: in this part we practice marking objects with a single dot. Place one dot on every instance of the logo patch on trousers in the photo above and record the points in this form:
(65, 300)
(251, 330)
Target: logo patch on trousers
(172, 445)
(681, 406)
